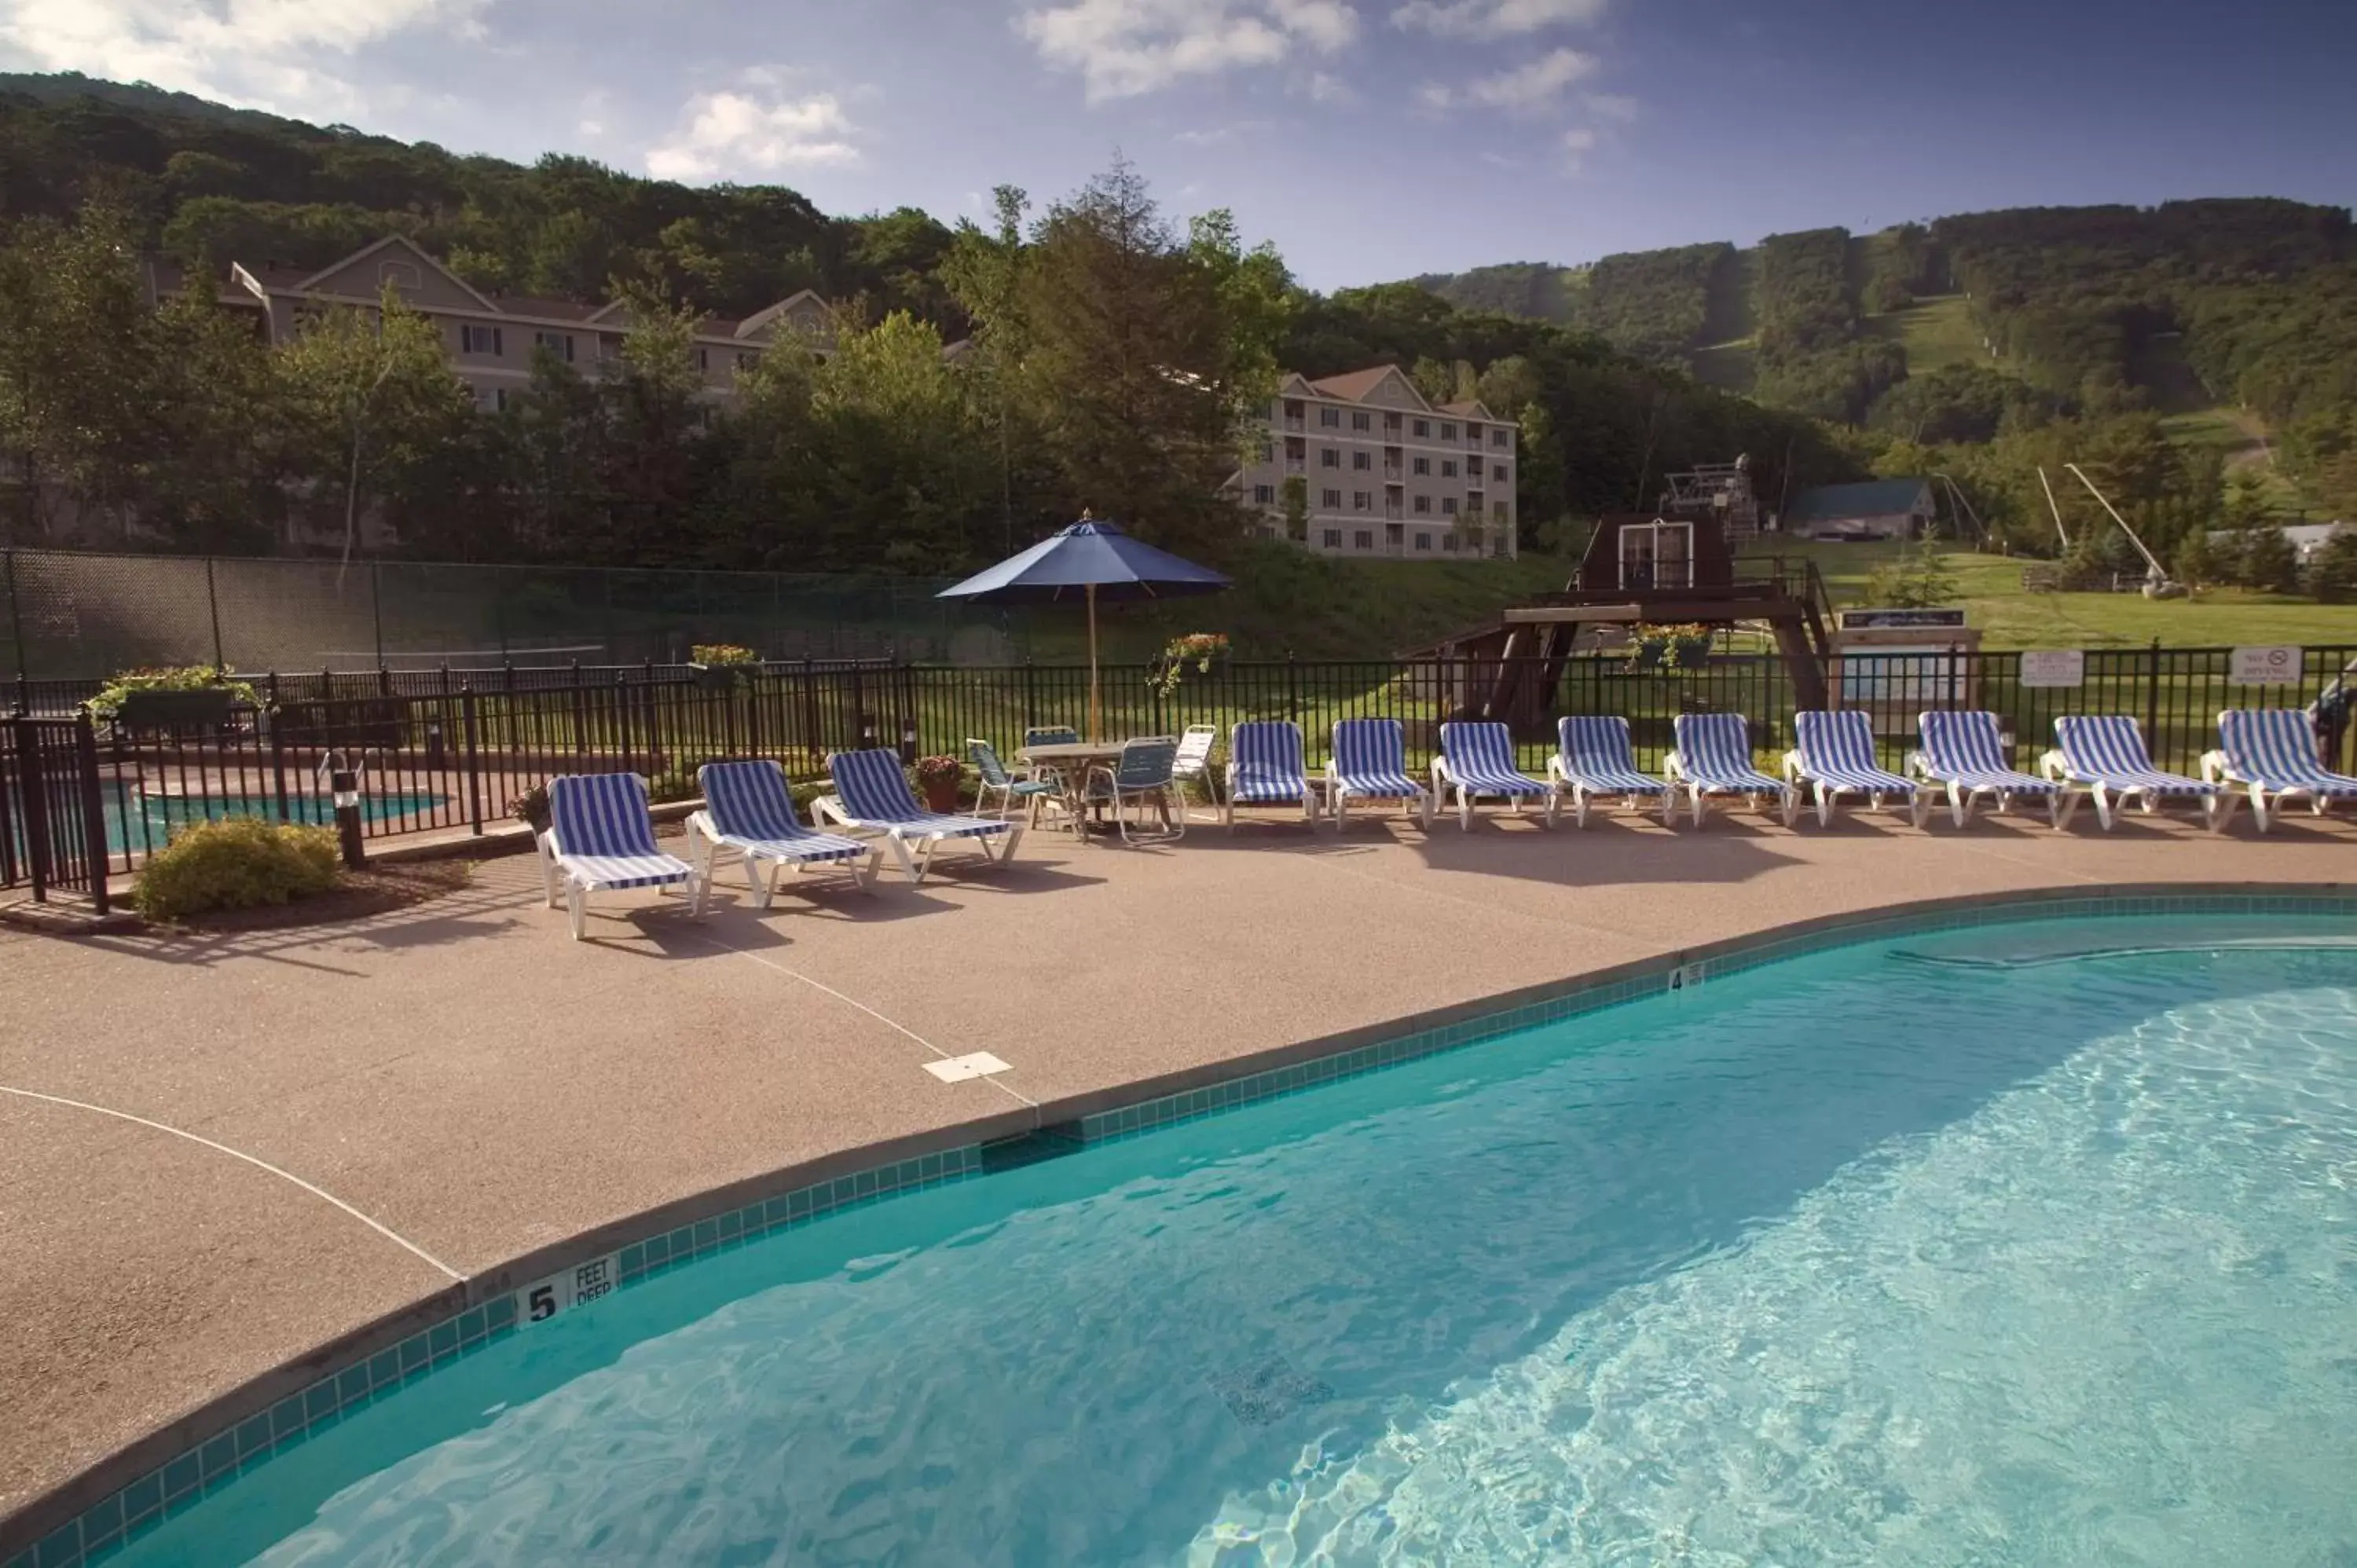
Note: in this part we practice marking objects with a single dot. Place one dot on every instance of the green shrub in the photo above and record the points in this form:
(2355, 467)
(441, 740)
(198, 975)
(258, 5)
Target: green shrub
(182, 677)
(236, 864)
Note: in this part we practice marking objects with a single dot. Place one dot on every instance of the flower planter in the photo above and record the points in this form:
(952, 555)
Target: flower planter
(193, 708)
(1676, 653)
(941, 795)
(720, 677)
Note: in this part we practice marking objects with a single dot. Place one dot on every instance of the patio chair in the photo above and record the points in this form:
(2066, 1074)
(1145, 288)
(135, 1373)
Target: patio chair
(1713, 756)
(1264, 769)
(1833, 756)
(1593, 758)
(1193, 763)
(872, 794)
(749, 811)
(1047, 734)
(600, 839)
(1141, 777)
(1966, 753)
(1477, 758)
(995, 776)
(1370, 763)
(2272, 753)
(2102, 755)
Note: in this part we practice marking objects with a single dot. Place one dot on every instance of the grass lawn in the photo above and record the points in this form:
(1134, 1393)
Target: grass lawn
(1936, 331)
(2008, 618)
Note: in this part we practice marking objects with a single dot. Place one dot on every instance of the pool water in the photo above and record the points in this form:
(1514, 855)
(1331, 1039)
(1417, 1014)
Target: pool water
(1975, 1247)
(150, 818)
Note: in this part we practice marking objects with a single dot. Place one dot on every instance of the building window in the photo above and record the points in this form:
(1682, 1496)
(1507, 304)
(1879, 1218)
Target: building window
(557, 343)
(1331, 538)
(1423, 465)
(1363, 539)
(703, 359)
(1391, 423)
(1448, 431)
(1328, 457)
(1473, 434)
(1330, 418)
(1497, 472)
(1448, 505)
(1498, 510)
(1423, 539)
(1424, 427)
(1424, 503)
(1264, 495)
(1362, 501)
(1361, 421)
(748, 358)
(1331, 500)
(1449, 541)
(1501, 438)
(474, 340)
(1362, 460)
(1449, 467)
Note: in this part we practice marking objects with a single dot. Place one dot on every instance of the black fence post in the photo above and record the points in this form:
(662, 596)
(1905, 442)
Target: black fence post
(93, 808)
(16, 633)
(474, 758)
(278, 751)
(2152, 694)
(36, 806)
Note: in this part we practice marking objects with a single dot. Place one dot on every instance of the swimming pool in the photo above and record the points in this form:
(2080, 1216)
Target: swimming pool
(2023, 1244)
(148, 820)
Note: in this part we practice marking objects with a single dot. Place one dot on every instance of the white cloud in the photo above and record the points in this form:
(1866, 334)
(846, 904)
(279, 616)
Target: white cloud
(1495, 18)
(592, 128)
(290, 56)
(1525, 88)
(1617, 107)
(1216, 135)
(1123, 47)
(1324, 86)
(1577, 143)
(728, 134)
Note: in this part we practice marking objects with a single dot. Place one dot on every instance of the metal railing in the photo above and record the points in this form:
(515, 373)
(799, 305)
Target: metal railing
(451, 753)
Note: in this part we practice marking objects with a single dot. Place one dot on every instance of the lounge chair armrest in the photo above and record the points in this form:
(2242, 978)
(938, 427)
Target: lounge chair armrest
(1794, 765)
(2054, 766)
(2214, 769)
(1555, 775)
(1672, 766)
(1917, 766)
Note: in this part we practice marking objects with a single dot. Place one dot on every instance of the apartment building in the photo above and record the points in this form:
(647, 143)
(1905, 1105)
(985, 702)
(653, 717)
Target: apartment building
(491, 337)
(1386, 471)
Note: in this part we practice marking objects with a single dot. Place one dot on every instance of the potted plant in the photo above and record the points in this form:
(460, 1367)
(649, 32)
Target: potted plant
(531, 808)
(1682, 646)
(938, 779)
(723, 666)
(1203, 652)
(184, 697)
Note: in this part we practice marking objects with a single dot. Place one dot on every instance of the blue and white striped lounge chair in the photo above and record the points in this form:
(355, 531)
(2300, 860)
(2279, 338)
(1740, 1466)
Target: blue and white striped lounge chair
(749, 811)
(1370, 763)
(1833, 756)
(1266, 768)
(600, 838)
(1965, 753)
(2271, 752)
(1593, 757)
(1477, 758)
(1713, 756)
(872, 794)
(2103, 756)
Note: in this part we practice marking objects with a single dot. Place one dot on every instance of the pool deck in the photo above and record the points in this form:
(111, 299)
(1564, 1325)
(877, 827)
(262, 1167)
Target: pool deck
(482, 1089)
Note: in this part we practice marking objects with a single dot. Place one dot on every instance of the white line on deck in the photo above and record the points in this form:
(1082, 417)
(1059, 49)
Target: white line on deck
(849, 1001)
(389, 1234)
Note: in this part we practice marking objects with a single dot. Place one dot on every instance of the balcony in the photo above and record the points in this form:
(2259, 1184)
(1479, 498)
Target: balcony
(1296, 465)
(1293, 422)
(1393, 510)
(1393, 474)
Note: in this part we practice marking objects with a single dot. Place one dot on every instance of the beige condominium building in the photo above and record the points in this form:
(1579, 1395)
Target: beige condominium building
(1386, 472)
(491, 336)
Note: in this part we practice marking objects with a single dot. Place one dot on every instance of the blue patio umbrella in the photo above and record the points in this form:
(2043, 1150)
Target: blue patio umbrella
(1087, 560)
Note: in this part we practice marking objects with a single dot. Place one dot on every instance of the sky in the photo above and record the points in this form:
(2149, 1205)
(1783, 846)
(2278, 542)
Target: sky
(1368, 139)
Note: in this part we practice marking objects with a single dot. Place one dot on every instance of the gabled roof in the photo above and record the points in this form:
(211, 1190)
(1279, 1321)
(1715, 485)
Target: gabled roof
(1352, 386)
(1875, 498)
(396, 243)
(1470, 409)
(770, 313)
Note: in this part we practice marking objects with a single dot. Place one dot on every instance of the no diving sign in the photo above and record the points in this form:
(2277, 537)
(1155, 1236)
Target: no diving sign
(2263, 667)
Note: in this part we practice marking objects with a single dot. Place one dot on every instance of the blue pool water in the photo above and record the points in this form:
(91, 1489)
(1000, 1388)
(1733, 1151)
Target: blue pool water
(1990, 1247)
(152, 818)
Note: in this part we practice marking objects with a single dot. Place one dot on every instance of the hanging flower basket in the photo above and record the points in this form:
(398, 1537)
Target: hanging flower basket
(193, 697)
(1668, 648)
(1203, 652)
(723, 666)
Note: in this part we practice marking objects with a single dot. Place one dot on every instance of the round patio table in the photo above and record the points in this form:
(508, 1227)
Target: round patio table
(1071, 761)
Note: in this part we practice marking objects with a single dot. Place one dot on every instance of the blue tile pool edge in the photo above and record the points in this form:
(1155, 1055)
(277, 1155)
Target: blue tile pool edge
(246, 1427)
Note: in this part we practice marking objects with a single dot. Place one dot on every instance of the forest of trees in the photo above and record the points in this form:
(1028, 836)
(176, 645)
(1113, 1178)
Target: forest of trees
(1116, 357)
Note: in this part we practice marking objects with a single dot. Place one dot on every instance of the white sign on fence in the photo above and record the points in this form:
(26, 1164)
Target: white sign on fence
(2263, 667)
(2053, 667)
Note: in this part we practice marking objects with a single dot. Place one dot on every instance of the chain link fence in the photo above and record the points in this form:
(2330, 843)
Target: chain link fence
(69, 616)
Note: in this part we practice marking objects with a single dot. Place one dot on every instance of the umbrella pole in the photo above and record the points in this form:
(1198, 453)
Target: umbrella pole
(1094, 731)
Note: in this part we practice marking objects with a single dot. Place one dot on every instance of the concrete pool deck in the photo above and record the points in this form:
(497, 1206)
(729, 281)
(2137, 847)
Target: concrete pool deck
(471, 1087)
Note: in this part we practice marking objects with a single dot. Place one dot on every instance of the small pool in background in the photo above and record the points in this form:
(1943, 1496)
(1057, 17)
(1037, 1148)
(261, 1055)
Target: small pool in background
(145, 819)
(2032, 1244)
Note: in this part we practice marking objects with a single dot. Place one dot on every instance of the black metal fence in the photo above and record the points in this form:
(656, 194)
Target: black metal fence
(449, 750)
